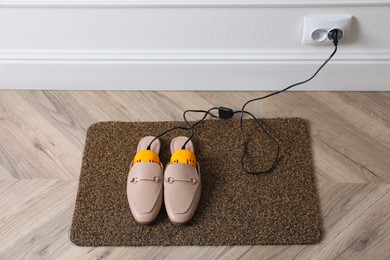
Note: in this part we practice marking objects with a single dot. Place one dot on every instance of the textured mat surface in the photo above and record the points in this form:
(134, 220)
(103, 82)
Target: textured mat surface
(235, 208)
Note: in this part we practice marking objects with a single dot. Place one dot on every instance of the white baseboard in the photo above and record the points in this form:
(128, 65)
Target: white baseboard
(179, 70)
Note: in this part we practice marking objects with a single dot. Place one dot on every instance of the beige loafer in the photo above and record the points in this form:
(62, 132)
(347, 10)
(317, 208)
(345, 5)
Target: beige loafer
(145, 182)
(182, 183)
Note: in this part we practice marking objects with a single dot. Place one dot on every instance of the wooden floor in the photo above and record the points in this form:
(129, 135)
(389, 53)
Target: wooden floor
(42, 136)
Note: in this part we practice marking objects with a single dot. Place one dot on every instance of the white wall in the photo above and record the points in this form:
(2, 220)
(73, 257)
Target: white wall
(220, 47)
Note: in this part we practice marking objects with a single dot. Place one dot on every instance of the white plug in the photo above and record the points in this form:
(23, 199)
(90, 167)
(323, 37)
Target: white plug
(316, 29)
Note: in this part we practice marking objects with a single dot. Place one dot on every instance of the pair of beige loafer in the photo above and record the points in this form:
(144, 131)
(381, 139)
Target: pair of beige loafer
(179, 185)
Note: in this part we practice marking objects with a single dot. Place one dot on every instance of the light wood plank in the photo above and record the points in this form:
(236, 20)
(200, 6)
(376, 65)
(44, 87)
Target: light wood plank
(35, 218)
(31, 145)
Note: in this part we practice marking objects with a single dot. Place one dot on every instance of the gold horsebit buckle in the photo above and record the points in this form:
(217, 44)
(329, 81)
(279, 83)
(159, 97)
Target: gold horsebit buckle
(156, 179)
(153, 179)
(171, 180)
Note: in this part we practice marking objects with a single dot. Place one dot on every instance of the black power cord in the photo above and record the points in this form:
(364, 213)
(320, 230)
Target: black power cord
(192, 126)
(335, 39)
(227, 113)
(189, 127)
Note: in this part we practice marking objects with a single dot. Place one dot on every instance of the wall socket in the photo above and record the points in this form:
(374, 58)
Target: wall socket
(316, 28)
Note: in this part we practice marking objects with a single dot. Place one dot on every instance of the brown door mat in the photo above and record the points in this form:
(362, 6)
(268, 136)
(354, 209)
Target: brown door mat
(235, 208)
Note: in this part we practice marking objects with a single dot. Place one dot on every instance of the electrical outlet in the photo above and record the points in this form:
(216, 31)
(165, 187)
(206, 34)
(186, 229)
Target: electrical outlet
(316, 28)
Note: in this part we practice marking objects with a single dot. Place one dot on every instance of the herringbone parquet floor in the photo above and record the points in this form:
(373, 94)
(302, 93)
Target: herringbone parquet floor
(42, 135)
